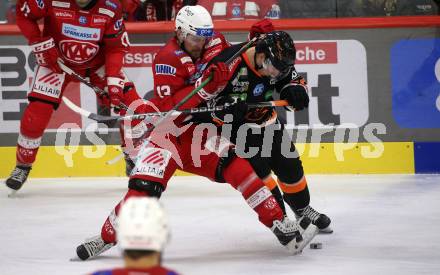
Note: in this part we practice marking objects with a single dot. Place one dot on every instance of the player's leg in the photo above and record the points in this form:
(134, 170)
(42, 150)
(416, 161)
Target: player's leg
(45, 96)
(262, 167)
(153, 169)
(240, 175)
(293, 183)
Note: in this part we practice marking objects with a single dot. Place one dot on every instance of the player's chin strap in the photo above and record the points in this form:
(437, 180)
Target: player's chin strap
(97, 90)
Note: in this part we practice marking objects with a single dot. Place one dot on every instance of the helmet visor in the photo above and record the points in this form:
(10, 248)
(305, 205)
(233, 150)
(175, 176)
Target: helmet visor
(276, 72)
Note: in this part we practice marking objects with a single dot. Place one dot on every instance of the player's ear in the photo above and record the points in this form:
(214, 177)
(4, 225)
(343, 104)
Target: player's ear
(180, 36)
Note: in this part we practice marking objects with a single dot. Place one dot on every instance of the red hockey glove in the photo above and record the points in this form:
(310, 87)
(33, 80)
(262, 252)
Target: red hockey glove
(115, 86)
(262, 26)
(220, 77)
(46, 54)
(296, 95)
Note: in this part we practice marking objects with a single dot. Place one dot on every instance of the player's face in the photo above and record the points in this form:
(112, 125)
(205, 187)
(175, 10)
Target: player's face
(194, 45)
(269, 70)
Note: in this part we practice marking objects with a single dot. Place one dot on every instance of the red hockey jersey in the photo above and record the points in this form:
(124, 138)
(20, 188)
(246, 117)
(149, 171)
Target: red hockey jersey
(86, 38)
(175, 72)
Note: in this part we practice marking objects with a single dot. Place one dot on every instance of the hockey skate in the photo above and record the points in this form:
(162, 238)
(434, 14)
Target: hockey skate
(18, 177)
(322, 221)
(92, 247)
(294, 235)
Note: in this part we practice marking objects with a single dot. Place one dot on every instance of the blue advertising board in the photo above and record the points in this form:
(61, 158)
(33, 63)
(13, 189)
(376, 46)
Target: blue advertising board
(415, 83)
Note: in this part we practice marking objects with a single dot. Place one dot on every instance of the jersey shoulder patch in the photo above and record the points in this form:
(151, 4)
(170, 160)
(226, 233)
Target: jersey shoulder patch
(106, 12)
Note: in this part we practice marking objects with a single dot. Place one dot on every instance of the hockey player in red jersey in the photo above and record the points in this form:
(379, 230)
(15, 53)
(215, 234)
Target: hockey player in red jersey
(143, 232)
(89, 36)
(175, 70)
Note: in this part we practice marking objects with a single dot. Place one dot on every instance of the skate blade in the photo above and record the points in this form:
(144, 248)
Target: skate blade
(12, 194)
(75, 259)
(296, 248)
(327, 230)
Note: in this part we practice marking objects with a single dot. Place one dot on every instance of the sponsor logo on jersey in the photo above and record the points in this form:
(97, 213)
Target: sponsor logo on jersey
(165, 69)
(77, 51)
(64, 14)
(258, 90)
(82, 20)
(153, 163)
(178, 52)
(213, 42)
(99, 20)
(118, 24)
(81, 33)
(212, 53)
(49, 84)
(60, 4)
(111, 4)
(106, 12)
(40, 3)
(185, 59)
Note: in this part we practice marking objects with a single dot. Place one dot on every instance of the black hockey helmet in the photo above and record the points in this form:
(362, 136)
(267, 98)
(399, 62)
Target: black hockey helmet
(279, 48)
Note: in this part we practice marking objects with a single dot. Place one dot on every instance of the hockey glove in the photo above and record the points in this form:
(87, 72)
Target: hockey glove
(46, 54)
(296, 95)
(115, 86)
(220, 77)
(238, 109)
(262, 26)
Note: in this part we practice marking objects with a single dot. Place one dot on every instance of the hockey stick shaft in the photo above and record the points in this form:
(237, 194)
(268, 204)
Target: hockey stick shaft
(113, 119)
(203, 84)
(97, 90)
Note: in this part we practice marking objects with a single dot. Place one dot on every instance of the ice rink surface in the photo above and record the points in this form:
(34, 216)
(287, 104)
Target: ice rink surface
(383, 224)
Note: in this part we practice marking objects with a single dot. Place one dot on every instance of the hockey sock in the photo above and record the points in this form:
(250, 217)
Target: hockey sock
(296, 195)
(276, 192)
(242, 177)
(33, 123)
(108, 232)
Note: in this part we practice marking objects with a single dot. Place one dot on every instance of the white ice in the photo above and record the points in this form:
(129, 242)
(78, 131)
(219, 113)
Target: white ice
(383, 224)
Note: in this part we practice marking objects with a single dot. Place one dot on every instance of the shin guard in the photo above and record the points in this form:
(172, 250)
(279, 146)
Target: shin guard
(33, 123)
(242, 177)
(108, 231)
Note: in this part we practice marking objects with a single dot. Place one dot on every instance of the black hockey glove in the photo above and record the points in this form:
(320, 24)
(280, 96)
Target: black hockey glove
(296, 95)
(238, 110)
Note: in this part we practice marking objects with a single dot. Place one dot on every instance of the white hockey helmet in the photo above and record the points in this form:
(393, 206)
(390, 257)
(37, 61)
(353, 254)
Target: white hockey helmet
(142, 224)
(194, 20)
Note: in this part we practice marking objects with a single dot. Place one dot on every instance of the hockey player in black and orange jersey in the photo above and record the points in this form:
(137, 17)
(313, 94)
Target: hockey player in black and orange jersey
(143, 232)
(89, 36)
(261, 71)
(174, 68)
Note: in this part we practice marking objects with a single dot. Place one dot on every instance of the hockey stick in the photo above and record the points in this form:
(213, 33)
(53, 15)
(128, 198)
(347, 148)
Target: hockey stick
(97, 90)
(203, 84)
(143, 116)
(111, 119)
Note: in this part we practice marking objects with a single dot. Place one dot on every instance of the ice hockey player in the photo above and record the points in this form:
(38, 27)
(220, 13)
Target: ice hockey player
(261, 70)
(143, 232)
(173, 70)
(90, 37)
